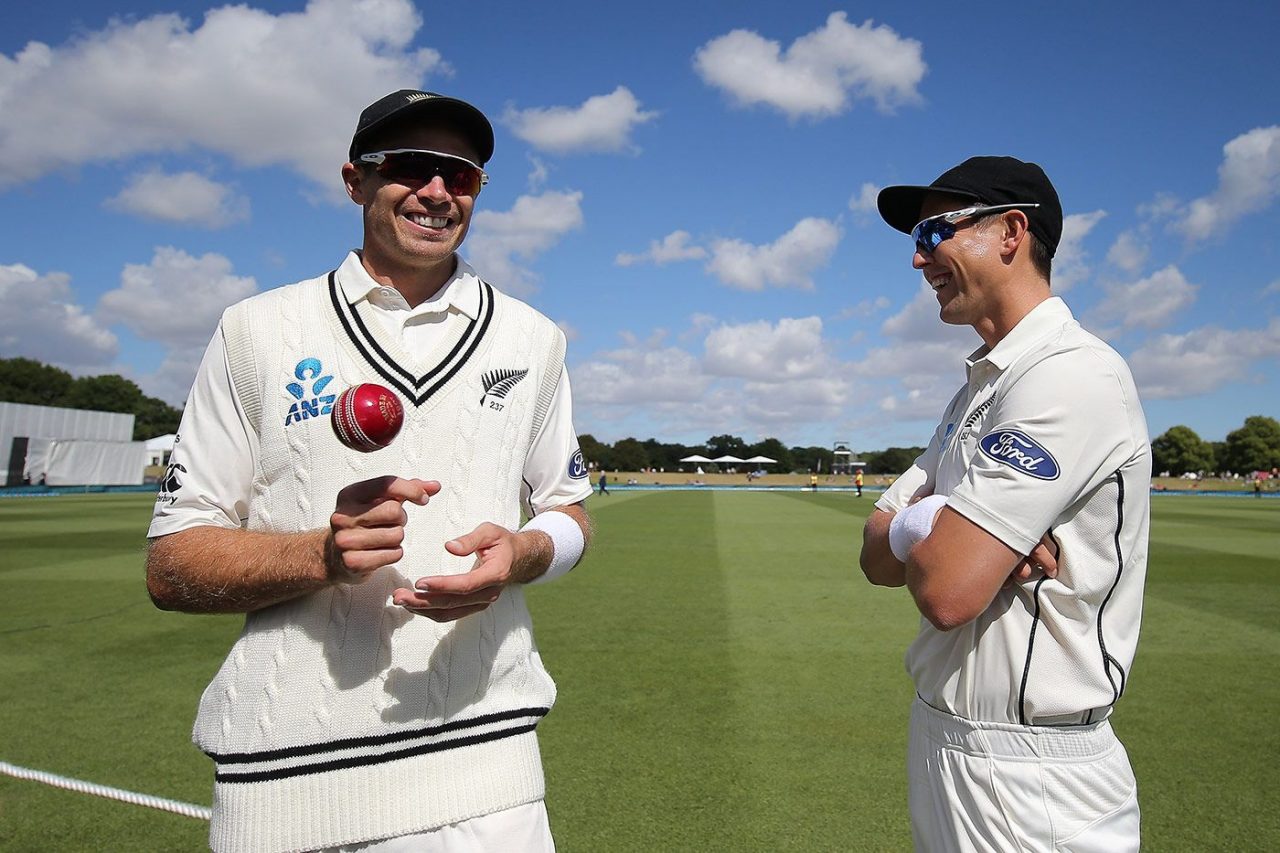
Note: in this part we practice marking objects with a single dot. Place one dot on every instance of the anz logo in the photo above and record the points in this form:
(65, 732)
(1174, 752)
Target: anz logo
(1020, 452)
(310, 402)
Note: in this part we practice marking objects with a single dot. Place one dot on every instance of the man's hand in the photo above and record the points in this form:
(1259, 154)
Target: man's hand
(1042, 559)
(502, 557)
(367, 526)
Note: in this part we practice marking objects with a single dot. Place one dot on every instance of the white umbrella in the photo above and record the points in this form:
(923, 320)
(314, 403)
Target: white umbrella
(760, 459)
(728, 458)
(695, 458)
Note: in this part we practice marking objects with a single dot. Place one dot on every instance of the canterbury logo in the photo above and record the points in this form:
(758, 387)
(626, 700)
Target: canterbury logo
(497, 383)
(409, 99)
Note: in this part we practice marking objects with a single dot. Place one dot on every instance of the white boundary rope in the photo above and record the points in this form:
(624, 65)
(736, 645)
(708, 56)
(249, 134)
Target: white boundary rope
(187, 809)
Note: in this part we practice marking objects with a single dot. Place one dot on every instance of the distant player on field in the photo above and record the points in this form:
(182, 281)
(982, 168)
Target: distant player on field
(1021, 533)
(386, 687)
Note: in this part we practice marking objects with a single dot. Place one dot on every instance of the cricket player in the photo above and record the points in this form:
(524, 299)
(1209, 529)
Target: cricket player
(385, 691)
(1021, 534)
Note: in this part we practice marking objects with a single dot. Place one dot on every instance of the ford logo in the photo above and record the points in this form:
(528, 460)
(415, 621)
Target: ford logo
(577, 466)
(1019, 452)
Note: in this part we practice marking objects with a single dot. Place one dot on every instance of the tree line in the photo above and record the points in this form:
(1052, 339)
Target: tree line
(24, 380)
(1255, 446)
(630, 454)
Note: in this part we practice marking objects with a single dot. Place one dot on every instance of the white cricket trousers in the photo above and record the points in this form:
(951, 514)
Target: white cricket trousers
(1002, 787)
(523, 829)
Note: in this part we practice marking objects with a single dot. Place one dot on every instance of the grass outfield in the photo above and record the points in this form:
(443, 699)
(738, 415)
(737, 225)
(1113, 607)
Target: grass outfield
(727, 679)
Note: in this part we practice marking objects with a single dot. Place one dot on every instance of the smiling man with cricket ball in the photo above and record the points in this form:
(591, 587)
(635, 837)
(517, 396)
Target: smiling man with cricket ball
(356, 454)
(1021, 533)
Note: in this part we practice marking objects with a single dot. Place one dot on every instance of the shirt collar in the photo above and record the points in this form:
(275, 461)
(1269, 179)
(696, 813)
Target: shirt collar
(1048, 315)
(461, 291)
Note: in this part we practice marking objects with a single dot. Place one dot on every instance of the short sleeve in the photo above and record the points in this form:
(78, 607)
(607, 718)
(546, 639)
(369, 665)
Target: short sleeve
(1062, 428)
(923, 473)
(210, 474)
(554, 472)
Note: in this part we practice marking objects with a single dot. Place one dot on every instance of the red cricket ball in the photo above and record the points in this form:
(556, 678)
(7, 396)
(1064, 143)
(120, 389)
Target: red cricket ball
(367, 417)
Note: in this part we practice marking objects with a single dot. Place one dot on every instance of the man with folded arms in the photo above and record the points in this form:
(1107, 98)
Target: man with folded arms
(1021, 534)
(384, 692)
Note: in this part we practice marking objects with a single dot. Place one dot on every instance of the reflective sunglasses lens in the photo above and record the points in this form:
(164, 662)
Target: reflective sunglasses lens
(414, 168)
(930, 234)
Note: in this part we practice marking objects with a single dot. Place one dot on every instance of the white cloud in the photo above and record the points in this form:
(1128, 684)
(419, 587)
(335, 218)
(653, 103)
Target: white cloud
(638, 375)
(259, 88)
(820, 73)
(1129, 251)
(789, 261)
(919, 322)
(924, 359)
(1248, 180)
(172, 380)
(1070, 265)
(500, 240)
(185, 198)
(865, 308)
(177, 298)
(674, 247)
(538, 174)
(1202, 360)
(602, 123)
(40, 319)
(1148, 303)
(764, 352)
(864, 200)
(1273, 287)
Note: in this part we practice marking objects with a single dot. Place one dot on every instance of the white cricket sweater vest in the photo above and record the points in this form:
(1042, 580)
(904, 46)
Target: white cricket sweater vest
(339, 717)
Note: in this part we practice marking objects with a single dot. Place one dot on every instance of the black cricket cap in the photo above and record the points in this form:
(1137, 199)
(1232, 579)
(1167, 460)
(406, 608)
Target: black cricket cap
(411, 105)
(986, 180)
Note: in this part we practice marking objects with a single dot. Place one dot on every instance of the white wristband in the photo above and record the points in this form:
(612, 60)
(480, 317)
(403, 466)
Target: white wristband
(913, 524)
(567, 542)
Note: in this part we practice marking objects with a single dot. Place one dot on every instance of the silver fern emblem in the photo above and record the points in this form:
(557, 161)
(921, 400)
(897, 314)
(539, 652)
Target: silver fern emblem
(498, 383)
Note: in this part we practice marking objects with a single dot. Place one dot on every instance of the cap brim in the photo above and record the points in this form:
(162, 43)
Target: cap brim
(900, 206)
(467, 118)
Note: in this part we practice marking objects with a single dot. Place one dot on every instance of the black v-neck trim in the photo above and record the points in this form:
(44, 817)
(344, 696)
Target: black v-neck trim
(397, 375)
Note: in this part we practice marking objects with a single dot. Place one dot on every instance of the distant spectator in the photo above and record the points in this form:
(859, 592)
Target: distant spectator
(604, 483)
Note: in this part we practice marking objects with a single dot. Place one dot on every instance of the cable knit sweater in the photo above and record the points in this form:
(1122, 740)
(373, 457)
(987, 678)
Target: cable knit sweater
(338, 717)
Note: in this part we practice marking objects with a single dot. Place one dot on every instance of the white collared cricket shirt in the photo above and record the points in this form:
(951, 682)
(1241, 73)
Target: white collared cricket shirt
(1047, 435)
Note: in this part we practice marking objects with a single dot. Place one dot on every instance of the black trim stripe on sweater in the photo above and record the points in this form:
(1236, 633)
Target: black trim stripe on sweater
(300, 768)
(396, 374)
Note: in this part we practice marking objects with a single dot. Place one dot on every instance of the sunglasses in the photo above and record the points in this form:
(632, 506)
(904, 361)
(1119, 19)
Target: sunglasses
(416, 167)
(930, 233)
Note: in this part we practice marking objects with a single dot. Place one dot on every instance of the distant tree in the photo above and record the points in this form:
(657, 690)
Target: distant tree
(1180, 450)
(812, 458)
(596, 452)
(154, 417)
(1219, 456)
(731, 445)
(1255, 446)
(24, 380)
(668, 456)
(774, 449)
(629, 455)
(106, 393)
(893, 460)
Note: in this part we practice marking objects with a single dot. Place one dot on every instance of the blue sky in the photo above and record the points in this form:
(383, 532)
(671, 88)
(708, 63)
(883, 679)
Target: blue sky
(688, 189)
